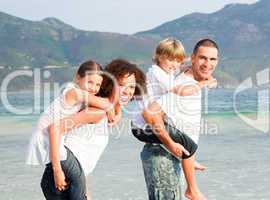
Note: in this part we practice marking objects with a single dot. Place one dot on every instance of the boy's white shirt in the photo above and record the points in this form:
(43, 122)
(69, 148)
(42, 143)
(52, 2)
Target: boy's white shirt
(158, 83)
(161, 80)
(184, 112)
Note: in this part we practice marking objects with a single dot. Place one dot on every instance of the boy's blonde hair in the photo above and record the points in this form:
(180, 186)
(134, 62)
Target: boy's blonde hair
(170, 49)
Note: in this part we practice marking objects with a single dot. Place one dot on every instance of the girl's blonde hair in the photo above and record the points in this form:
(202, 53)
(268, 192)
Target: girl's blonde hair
(170, 49)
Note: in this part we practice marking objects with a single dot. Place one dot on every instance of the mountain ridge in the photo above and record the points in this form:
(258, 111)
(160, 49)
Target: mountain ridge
(241, 30)
(53, 42)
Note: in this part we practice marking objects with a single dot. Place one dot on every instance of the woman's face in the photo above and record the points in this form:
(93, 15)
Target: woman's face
(127, 85)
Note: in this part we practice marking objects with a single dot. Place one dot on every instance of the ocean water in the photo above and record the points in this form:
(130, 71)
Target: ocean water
(234, 146)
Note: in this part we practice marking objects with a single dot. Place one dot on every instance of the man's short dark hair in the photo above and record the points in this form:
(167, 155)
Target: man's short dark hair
(205, 43)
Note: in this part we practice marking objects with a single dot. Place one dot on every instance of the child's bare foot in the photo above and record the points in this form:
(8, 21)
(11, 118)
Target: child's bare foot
(194, 195)
(199, 166)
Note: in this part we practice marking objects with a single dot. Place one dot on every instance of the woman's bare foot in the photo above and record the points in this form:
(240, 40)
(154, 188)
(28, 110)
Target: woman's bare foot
(194, 195)
(199, 166)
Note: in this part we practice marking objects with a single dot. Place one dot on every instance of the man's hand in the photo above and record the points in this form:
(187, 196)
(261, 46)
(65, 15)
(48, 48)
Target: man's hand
(212, 83)
(177, 150)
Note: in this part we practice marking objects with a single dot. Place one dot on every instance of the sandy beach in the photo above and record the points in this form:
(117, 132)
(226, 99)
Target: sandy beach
(236, 160)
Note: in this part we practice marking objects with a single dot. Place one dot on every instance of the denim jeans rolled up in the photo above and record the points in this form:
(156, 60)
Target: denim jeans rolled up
(162, 173)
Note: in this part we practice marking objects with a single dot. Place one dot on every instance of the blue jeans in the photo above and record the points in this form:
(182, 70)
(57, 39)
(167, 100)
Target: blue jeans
(162, 173)
(74, 175)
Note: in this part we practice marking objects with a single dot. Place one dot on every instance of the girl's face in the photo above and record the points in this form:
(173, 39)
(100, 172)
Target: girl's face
(90, 83)
(127, 85)
(169, 66)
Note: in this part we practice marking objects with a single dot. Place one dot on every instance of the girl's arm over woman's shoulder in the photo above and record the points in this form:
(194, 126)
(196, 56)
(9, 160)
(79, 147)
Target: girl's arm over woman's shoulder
(85, 116)
(74, 96)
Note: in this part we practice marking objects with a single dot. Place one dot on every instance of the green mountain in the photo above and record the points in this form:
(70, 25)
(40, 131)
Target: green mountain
(241, 30)
(52, 42)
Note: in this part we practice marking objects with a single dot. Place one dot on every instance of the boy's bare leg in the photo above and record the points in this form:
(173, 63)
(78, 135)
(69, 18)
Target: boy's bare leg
(192, 191)
(199, 166)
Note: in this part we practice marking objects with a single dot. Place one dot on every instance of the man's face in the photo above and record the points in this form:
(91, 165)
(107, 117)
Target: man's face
(204, 62)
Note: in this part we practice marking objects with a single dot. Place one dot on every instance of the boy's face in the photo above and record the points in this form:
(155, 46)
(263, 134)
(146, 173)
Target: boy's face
(169, 66)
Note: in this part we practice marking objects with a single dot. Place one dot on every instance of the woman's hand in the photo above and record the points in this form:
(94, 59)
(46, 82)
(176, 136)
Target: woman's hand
(60, 180)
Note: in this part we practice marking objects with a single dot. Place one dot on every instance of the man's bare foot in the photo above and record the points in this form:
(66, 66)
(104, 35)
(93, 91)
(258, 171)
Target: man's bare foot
(199, 166)
(194, 195)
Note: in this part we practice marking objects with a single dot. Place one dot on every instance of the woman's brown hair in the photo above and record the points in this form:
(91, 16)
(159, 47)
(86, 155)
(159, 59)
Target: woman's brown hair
(118, 69)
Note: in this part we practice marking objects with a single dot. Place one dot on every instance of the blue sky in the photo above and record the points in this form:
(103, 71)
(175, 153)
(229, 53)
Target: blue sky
(122, 16)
